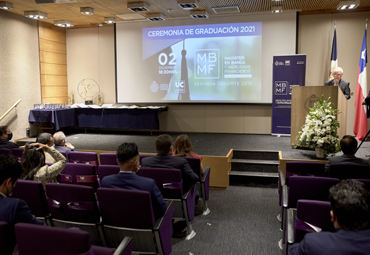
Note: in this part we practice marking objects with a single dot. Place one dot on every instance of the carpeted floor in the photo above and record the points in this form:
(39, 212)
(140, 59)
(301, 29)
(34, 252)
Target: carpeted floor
(242, 221)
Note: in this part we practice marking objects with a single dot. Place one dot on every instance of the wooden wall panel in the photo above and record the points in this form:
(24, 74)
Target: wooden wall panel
(52, 80)
(53, 63)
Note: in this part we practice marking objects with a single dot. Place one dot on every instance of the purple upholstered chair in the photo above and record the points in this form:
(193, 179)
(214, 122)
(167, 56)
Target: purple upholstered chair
(73, 205)
(169, 182)
(105, 170)
(40, 240)
(144, 156)
(312, 216)
(18, 153)
(79, 174)
(349, 171)
(302, 187)
(89, 158)
(134, 217)
(7, 239)
(65, 155)
(33, 194)
(108, 159)
(5, 151)
(303, 168)
(203, 181)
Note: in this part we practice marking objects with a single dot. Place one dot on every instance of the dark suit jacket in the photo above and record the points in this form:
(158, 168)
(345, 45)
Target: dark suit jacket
(62, 148)
(14, 210)
(7, 145)
(345, 158)
(341, 242)
(189, 178)
(367, 101)
(344, 86)
(127, 180)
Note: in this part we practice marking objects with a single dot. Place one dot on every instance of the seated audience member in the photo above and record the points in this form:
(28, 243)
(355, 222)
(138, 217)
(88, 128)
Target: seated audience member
(350, 215)
(12, 210)
(164, 159)
(129, 162)
(5, 137)
(46, 138)
(61, 144)
(33, 163)
(183, 148)
(348, 145)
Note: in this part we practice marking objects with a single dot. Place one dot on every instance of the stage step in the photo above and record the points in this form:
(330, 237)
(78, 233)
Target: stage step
(254, 168)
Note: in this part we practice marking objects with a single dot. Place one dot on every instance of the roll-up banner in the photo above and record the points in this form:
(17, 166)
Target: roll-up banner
(288, 71)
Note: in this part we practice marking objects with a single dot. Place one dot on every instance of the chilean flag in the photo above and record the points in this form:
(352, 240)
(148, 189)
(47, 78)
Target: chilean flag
(334, 56)
(360, 126)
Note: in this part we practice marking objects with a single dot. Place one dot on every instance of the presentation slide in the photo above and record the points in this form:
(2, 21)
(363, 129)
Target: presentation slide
(181, 62)
(207, 62)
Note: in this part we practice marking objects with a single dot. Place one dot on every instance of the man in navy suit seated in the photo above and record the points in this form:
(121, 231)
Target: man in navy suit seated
(348, 145)
(164, 159)
(129, 162)
(12, 210)
(350, 215)
(5, 137)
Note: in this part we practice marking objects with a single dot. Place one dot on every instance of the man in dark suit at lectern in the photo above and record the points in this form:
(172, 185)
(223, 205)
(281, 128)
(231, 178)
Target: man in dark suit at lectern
(338, 81)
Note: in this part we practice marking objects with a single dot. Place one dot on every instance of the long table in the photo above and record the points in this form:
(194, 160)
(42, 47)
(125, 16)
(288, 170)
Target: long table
(98, 118)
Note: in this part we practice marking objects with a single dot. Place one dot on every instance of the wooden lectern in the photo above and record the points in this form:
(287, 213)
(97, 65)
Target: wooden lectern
(304, 97)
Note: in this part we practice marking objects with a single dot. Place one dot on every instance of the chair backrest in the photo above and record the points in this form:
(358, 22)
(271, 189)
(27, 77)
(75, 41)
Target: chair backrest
(194, 165)
(72, 202)
(134, 209)
(169, 181)
(108, 159)
(65, 155)
(79, 174)
(18, 153)
(38, 240)
(90, 158)
(144, 156)
(5, 151)
(303, 168)
(316, 213)
(7, 239)
(105, 170)
(349, 171)
(33, 194)
(309, 187)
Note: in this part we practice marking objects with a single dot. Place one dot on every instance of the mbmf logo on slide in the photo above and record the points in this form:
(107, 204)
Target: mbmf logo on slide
(206, 64)
(281, 87)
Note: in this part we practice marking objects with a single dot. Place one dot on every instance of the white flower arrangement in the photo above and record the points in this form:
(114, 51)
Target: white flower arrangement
(320, 128)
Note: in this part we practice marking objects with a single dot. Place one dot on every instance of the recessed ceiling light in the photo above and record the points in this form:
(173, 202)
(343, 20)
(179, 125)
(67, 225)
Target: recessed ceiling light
(6, 5)
(138, 7)
(35, 15)
(110, 20)
(87, 10)
(199, 14)
(188, 4)
(63, 23)
(346, 5)
(277, 9)
(155, 16)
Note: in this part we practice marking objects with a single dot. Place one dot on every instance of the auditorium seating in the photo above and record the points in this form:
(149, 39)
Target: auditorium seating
(40, 240)
(203, 181)
(79, 174)
(65, 155)
(311, 216)
(73, 205)
(5, 151)
(134, 217)
(89, 158)
(105, 170)
(349, 171)
(33, 194)
(18, 153)
(7, 239)
(169, 182)
(108, 159)
(303, 168)
(302, 187)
